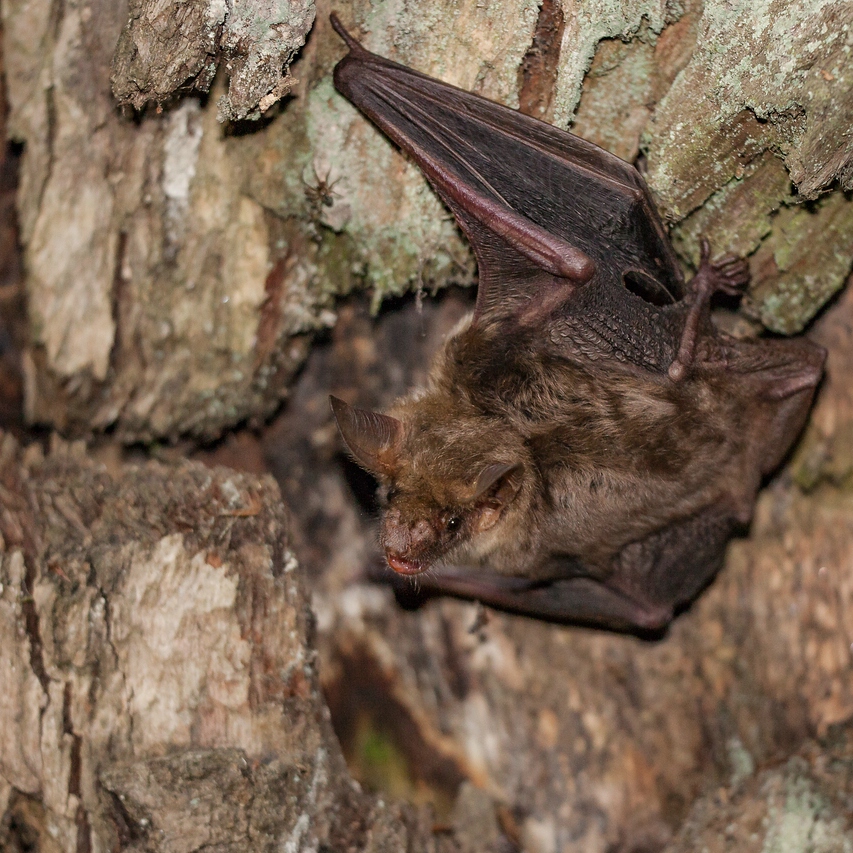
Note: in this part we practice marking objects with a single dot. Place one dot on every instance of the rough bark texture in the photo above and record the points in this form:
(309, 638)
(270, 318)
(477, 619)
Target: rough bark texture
(160, 688)
(159, 683)
(765, 103)
(163, 299)
(174, 263)
(165, 48)
(804, 804)
(13, 331)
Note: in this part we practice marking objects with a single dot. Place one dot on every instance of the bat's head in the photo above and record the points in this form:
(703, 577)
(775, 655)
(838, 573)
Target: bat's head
(453, 482)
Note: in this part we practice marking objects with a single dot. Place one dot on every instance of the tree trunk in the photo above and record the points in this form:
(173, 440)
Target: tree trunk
(159, 684)
(192, 210)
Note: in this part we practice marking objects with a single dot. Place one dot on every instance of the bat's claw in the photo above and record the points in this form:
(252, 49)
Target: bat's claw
(730, 274)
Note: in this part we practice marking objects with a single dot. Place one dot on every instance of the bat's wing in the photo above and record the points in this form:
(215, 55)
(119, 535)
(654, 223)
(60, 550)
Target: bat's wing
(536, 202)
(650, 580)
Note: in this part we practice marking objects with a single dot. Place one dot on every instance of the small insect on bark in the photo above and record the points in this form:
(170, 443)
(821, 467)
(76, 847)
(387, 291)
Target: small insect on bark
(320, 193)
(588, 441)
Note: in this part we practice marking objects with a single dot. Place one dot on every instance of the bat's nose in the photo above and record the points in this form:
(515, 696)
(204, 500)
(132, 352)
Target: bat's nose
(401, 537)
(420, 533)
(405, 543)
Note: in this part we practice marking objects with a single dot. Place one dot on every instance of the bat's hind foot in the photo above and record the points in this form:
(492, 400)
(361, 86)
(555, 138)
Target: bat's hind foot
(728, 275)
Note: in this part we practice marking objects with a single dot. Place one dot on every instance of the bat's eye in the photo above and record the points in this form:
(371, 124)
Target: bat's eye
(454, 523)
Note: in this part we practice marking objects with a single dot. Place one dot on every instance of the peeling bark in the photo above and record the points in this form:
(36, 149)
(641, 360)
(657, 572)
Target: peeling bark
(165, 49)
(159, 686)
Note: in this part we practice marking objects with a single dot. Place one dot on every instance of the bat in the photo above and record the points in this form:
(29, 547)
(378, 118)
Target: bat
(588, 440)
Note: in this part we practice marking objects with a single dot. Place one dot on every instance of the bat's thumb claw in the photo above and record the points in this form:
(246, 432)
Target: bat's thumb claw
(341, 30)
(704, 250)
(677, 371)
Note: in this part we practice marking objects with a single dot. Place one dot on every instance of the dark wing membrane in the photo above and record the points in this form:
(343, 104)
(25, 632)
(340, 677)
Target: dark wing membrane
(535, 201)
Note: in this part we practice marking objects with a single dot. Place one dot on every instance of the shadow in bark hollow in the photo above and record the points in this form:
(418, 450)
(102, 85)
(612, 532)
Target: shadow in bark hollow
(382, 742)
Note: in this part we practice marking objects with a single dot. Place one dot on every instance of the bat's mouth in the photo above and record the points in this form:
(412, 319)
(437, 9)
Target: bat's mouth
(403, 566)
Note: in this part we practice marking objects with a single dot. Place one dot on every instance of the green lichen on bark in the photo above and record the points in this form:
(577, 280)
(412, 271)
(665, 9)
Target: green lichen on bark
(613, 109)
(216, 246)
(801, 806)
(737, 119)
(587, 24)
(802, 263)
(803, 818)
(768, 79)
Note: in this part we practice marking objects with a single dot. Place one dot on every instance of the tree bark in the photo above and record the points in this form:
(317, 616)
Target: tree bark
(803, 804)
(160, 679)
(159, 683)
(175, 263)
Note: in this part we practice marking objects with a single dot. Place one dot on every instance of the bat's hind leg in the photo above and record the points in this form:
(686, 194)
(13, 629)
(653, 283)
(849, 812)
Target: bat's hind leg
(729, 275)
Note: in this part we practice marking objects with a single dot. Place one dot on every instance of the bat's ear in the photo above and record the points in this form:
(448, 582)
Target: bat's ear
(373, 439)
(499, 481)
